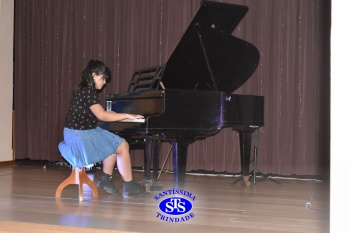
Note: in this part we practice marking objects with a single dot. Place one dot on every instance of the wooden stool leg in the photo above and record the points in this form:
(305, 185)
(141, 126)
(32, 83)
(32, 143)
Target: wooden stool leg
(66, 182)
(80, 184)
(86, 180)
(79, 177)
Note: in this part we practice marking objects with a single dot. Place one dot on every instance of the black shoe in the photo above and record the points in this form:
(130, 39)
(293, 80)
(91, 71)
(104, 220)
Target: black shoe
(132, 189)
(105, 182)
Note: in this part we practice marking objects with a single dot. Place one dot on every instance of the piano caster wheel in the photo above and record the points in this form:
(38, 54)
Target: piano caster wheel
(246, 180)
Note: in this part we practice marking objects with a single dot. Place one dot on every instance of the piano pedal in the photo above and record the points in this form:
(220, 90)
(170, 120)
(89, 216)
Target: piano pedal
(156, 186)
(147, 186)
(152, 185)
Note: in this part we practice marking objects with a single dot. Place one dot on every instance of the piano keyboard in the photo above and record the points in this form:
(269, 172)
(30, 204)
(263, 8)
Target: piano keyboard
(133, 120)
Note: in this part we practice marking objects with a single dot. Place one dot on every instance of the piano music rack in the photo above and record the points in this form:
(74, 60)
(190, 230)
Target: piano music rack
(147, 79)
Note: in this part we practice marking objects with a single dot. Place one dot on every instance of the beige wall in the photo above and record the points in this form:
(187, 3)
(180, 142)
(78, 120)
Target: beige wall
(6, 78)
(340, 115)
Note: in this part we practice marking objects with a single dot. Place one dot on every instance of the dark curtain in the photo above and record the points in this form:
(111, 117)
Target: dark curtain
(54, 39)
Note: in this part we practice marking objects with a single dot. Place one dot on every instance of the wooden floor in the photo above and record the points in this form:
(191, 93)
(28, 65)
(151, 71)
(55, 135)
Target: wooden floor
(28, 204)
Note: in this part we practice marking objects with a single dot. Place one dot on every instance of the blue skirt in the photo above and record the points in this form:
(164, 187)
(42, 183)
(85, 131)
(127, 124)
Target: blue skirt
(85, 147)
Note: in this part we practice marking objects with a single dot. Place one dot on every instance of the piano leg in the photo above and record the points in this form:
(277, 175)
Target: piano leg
(152, 150)
(245, 140)
(147, 157)
(179, 149)
(155, 153)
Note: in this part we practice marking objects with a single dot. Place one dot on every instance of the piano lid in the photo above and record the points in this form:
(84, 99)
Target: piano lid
(207, 56)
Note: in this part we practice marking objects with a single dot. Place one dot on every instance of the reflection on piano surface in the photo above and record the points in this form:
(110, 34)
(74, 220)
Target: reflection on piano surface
(190, 96)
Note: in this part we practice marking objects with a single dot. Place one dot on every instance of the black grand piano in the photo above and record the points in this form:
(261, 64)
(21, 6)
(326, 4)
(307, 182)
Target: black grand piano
(189, 97)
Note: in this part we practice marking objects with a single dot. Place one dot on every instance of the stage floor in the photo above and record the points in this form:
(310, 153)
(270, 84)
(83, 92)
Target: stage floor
(27, 201)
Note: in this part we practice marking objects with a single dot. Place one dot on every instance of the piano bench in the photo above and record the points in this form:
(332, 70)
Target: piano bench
(79, 177)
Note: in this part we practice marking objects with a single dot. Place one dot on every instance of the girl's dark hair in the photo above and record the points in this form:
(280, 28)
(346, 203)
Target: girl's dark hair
(93, 66)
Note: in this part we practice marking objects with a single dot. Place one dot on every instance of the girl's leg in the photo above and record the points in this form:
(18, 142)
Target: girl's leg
(130, 187)
(109, 163)
(104, 181)
(122, 157)
(124, 161)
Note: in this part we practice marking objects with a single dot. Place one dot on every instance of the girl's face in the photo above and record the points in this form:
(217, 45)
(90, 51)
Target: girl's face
(99, 81)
